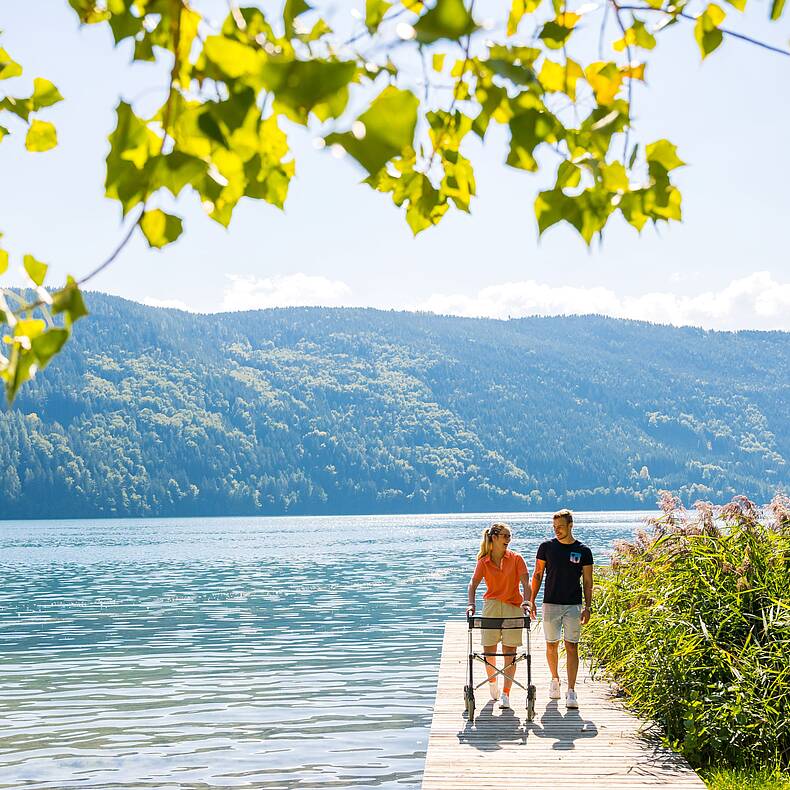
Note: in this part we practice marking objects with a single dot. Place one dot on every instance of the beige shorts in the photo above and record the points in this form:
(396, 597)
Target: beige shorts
(512, 637)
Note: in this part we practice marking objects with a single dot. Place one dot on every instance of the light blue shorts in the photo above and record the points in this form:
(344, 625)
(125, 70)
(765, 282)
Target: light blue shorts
(560, 621)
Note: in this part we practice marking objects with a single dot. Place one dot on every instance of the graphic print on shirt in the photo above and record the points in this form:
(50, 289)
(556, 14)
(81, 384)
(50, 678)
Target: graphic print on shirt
(575, 557)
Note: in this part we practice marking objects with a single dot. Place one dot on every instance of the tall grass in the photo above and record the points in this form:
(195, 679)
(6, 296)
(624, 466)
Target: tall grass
(693, 621)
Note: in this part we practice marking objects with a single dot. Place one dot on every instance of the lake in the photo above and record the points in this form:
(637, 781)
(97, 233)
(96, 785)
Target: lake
(238, 652)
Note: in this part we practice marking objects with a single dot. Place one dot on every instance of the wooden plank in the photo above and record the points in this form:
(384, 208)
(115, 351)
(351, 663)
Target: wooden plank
(561, 748)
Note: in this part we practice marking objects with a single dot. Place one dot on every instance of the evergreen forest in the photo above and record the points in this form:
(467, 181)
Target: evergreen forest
(157, 412)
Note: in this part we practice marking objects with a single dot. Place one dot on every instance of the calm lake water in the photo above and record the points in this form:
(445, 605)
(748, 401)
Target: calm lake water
(223, 653)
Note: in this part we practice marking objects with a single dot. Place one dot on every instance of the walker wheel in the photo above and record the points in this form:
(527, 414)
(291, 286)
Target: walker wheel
(469, 697)
(531, 694)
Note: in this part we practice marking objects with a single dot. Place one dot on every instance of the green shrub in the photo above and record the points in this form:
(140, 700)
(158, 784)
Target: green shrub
(693, 622)
(746, 779)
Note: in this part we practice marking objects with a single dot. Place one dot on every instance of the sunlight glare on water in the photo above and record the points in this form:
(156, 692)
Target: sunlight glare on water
(238, 652)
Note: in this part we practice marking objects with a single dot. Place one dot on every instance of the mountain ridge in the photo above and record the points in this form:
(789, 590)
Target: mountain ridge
(156, 411)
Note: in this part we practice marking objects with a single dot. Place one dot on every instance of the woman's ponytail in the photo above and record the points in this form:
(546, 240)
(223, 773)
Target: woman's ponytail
(485, 544)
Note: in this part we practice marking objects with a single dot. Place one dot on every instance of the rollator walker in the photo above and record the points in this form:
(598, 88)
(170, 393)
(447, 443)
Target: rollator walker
(475, 621)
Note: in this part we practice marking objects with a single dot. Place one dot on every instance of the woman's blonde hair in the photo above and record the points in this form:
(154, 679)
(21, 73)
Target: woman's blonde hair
(486, 544)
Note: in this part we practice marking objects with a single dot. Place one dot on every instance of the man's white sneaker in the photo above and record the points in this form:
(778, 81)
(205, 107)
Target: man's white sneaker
(504, 701)
(570, 699)
(493, 690)
(554, 688)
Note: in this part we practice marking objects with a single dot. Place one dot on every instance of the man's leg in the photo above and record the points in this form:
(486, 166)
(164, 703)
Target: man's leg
(571, 631)
(552, 658)
(572, 657)
(552, 630)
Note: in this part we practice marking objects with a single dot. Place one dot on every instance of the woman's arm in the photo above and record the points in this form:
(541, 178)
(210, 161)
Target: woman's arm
(527, 603)
(470, 592)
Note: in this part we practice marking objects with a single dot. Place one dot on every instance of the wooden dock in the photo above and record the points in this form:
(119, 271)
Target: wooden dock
(600, 745)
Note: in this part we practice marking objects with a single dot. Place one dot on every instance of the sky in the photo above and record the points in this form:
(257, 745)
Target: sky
(727, 266)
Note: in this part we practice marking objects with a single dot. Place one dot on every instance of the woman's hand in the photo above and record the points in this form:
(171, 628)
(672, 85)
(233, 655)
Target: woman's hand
(470, 610)
(526, 607)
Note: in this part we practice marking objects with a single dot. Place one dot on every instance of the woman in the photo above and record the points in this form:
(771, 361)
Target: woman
(503, 571)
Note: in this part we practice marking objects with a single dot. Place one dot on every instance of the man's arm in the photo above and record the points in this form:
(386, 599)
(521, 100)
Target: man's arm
(587, 586)
(537, 580)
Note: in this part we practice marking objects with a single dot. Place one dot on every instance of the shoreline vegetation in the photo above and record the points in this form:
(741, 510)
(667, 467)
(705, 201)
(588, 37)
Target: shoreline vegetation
(692, 623)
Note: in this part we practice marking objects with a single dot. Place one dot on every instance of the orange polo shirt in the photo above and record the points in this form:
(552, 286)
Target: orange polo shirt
(502, 583)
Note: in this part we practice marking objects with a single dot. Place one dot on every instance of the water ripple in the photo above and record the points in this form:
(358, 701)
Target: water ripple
(234, 653)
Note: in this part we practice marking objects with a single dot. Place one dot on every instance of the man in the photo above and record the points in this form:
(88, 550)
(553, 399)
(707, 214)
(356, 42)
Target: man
(566, 561)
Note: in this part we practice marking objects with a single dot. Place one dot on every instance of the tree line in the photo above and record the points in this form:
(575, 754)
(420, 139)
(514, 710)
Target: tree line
(314, 410)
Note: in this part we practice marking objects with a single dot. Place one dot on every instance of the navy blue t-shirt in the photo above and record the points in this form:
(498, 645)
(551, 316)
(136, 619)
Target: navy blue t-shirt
(564, 563)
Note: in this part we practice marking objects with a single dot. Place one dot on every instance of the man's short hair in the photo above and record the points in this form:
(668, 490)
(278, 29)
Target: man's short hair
(566, 515)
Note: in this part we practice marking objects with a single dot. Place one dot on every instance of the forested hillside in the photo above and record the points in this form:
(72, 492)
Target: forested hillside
(312, 410)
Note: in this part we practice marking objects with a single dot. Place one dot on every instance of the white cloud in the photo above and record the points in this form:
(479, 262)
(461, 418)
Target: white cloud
(757, 301)
(294, 290)
(176, 304)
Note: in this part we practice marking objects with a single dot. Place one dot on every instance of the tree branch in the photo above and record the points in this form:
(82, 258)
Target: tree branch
(724, 30)
(617, 9)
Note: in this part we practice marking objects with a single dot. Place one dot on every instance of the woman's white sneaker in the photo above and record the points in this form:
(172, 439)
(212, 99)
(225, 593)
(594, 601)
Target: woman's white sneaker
(570, 699)
(493, 690)
(554, 688)
(504, 701)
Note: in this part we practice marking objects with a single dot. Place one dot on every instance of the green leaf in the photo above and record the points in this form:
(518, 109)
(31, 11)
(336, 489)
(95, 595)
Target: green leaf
(29, 327)
(36, 270)
(739, 4)
(292, 9)
(588, 212)
(374, 13)
(144, 50)
(636, 36)
(517, 11)
(3, 261)
(458, 183)
(605, 79)
(665, 153)
(68, 300)
(129, 163)
(301, 86)
(45, 94)
(777, 8)
(3, 132)
(447, 19)
(560, 77)
(45, 346)
(527, 130)
(232, 58)
(425, 205)
(387, 128)
(490, 98)
(557, 32)
(160, 229)
(614, 177)
(8, 66)
(89, 11)
(41, 136)
(125, 25)
(174, 171)
(17, 372)
(706, 29)
(568, 175)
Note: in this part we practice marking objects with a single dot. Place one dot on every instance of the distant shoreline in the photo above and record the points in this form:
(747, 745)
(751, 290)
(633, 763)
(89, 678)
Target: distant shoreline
(476, 516)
